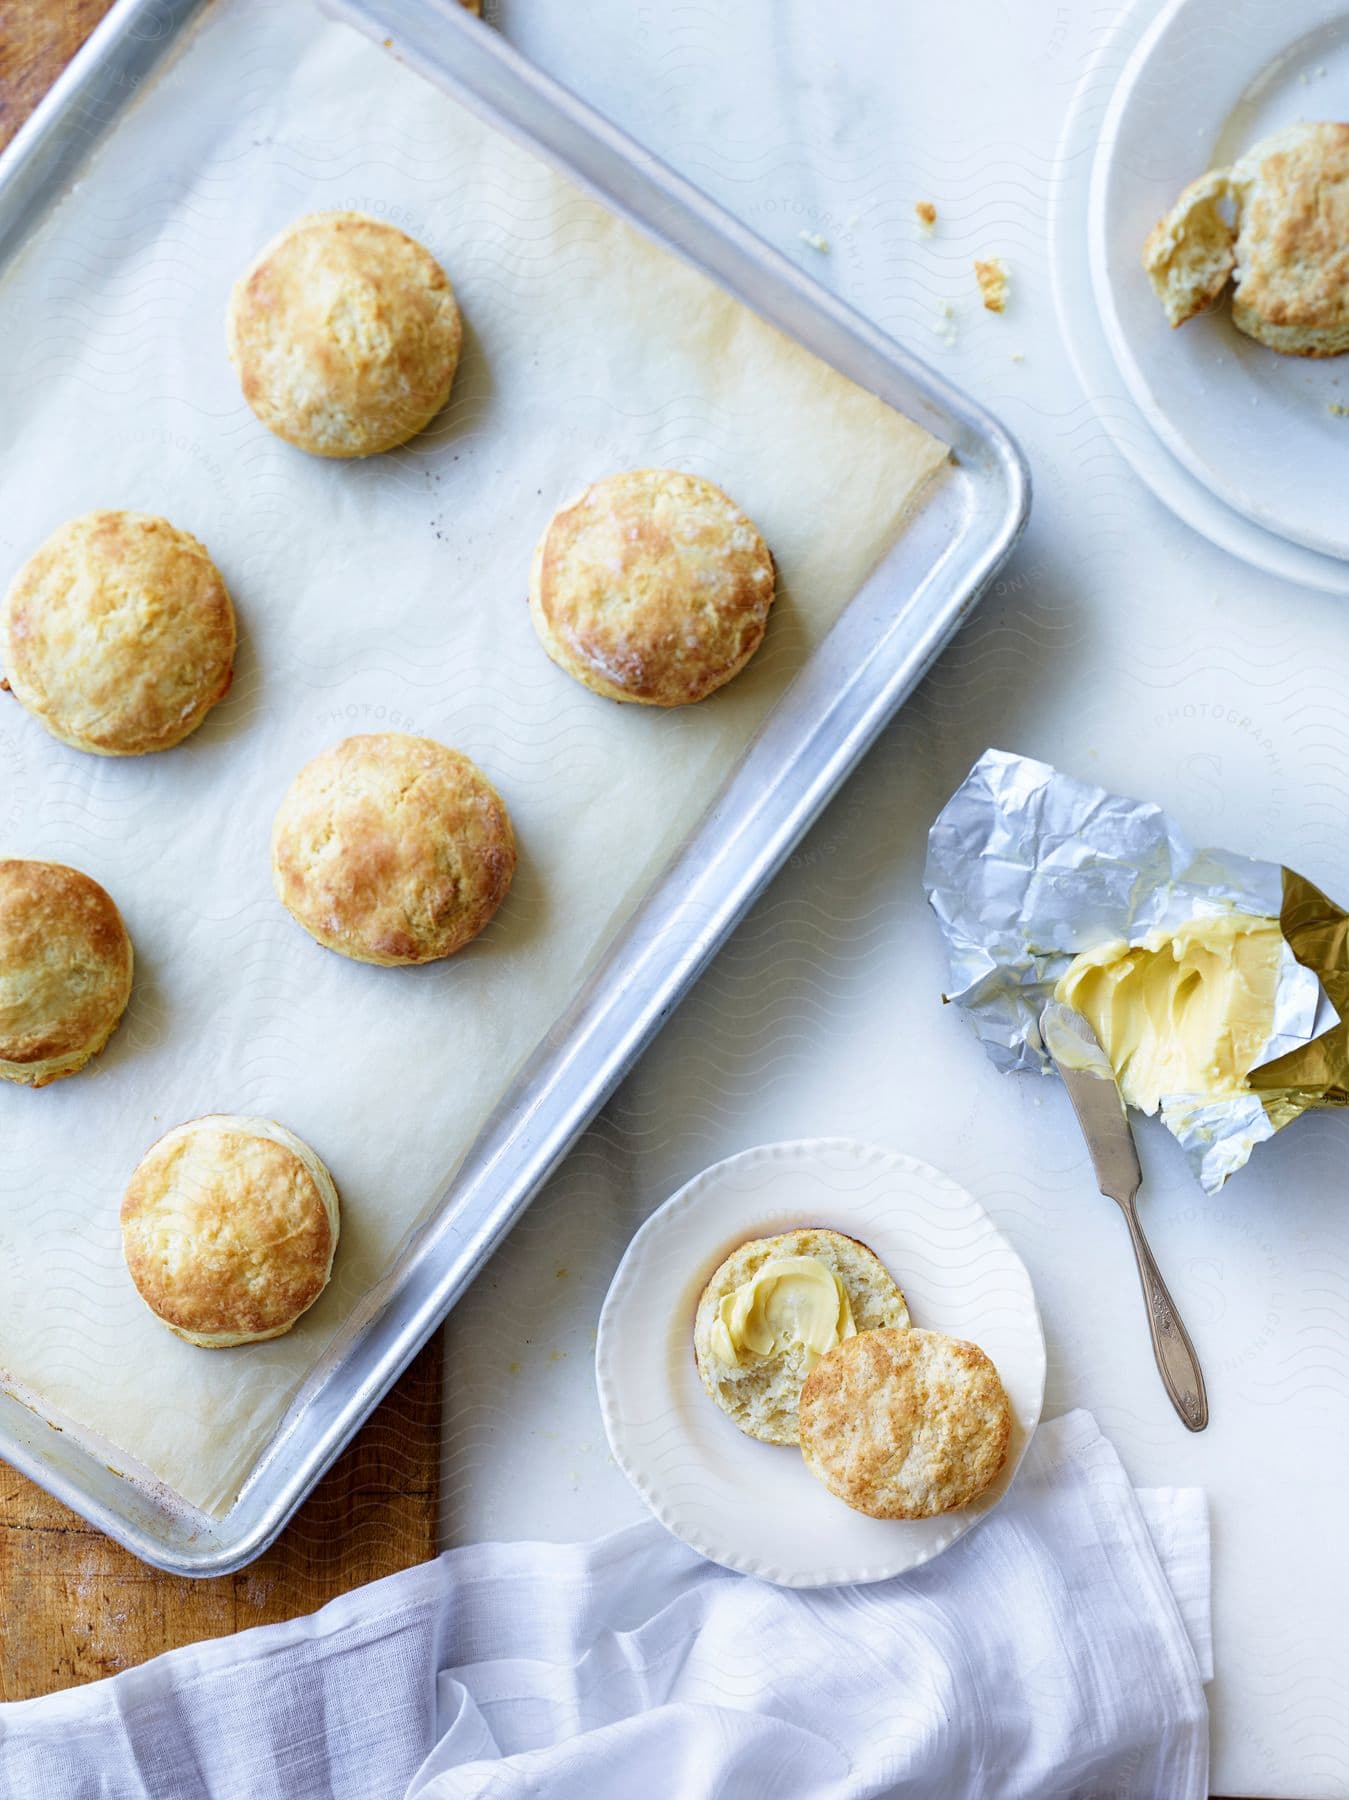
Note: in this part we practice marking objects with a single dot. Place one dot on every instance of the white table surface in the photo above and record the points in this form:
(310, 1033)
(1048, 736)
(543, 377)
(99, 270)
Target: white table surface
(1117, 645)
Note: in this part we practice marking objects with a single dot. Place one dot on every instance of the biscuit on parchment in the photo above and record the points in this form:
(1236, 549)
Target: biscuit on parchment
(651, 586)
(65, 970)
(229, 1227)
(118, 634)
(905, 1424)
(392, 849)
(344, 334)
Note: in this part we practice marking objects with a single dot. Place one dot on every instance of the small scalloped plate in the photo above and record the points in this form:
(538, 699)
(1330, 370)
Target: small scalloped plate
(753, 1506)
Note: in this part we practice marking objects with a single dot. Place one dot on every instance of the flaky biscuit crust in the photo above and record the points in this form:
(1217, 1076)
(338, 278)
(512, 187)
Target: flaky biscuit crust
(65, 970)
(1189, 254)
(1292, 251)
(118, 634)
(750, 1397)
(905, 1424)
(651, 587)
(392, 849)
(345, 335)
(229, 1226)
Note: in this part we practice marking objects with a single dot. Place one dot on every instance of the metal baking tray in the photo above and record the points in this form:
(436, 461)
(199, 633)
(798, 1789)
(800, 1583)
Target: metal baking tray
(886, 638)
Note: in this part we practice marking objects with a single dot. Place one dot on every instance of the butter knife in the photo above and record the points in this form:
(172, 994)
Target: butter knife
(1077, 1055)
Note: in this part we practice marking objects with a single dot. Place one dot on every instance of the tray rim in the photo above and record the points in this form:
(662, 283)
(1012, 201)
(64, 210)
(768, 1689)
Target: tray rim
(525, 1141)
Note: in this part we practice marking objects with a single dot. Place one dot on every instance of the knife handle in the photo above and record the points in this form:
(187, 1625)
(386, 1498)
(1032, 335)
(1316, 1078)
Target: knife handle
(1176, 1360)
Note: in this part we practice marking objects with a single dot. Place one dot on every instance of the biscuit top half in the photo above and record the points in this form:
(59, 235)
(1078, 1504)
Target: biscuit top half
(905, 1424)
(65, 962)
(652, 586)
(345, 335)
(118, 633)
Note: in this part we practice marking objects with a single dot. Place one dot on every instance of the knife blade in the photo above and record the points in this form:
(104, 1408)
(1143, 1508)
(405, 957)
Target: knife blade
(1090, 1080)
(1089, 1077)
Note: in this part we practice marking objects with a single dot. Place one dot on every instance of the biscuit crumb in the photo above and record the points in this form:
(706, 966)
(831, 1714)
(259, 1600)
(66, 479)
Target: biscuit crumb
(815, 241)
(1340, 412)
(926, 214)
(1018, 356)
(993, 284)
(945, 323)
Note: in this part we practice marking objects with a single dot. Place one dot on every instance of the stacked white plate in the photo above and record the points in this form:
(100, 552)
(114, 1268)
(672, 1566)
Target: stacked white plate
(1243, 444)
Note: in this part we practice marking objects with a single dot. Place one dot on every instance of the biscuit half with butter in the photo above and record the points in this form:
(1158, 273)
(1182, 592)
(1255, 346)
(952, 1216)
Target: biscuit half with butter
(65, 970)
(773, 1308)
(905, 1424)
(229, 1227)
(651, 587)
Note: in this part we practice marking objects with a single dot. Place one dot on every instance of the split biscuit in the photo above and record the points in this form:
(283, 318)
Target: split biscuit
(1277, 224)
(760, 1395)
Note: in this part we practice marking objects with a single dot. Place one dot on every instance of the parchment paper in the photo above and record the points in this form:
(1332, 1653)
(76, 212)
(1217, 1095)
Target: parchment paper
(386, 594)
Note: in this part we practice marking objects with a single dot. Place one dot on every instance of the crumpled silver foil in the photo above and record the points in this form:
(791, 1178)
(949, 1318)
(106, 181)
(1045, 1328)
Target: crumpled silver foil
(1027, 867)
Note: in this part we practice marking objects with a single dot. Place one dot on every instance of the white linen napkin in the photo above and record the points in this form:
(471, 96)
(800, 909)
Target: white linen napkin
(1060, 1649)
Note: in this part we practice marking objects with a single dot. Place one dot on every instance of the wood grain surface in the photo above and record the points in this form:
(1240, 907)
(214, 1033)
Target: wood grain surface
(74, 1606)
(37, 40)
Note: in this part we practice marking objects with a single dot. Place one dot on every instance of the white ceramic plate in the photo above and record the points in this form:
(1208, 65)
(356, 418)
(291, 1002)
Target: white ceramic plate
(1090, 353)
(753, 1506)
(1206, 81)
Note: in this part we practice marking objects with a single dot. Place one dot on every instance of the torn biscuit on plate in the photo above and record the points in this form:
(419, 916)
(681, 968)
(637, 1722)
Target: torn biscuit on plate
(1276, 224)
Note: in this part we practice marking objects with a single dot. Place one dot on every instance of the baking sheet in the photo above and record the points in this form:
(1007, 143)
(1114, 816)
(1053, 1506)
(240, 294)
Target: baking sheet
(371, 596)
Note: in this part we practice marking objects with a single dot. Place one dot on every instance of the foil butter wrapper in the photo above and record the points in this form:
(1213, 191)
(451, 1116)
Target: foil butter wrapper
(1027, 868)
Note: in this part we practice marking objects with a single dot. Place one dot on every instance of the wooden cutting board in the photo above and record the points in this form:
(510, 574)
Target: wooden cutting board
(74, 1606)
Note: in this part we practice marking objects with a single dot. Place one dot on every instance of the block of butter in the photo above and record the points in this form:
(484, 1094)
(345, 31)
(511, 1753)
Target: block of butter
(1214, 982)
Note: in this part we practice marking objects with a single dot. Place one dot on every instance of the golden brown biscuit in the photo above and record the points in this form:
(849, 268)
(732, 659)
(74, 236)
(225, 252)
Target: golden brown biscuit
(905, 1424)
(229, 1226)
(1292, 270)
(344, 334)
(1277, 223)
(118, 634)
(392, 849)
(760, 1396)
(653, 587)
(65, 970)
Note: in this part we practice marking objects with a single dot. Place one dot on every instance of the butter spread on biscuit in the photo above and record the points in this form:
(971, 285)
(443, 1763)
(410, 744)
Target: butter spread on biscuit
(1186, 1011)
(788, 1301)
